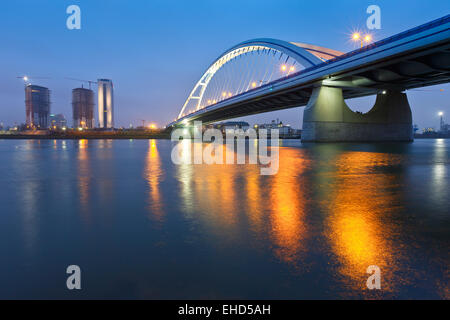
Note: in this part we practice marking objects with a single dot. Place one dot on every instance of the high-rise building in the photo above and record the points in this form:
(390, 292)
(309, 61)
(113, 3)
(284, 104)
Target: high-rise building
(37, 102)
(83, 108)
(58, 121)
(105, 104)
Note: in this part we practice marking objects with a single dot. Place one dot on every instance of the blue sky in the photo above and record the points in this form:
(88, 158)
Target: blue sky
(155, 51)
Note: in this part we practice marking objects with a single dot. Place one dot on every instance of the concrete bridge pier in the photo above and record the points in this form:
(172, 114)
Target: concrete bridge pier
(327, 118)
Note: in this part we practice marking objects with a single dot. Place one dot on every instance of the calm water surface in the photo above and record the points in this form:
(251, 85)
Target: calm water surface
(141, 227)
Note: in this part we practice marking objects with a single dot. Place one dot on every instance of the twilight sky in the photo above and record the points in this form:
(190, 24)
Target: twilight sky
(155, 51)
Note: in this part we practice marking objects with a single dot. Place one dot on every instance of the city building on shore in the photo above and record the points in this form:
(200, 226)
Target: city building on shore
(37, 106)
(58, 121)
(444, 127)
(284, 131)
(231, 125)
(105, 104)
(83, 108)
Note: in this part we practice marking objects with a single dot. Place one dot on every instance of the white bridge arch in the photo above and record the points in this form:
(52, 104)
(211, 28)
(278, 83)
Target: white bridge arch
(304, 54)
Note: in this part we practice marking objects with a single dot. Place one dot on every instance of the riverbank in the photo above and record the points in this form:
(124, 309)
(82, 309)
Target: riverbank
(136, 135)
(95, 134)
(88, 135)
(432, 136)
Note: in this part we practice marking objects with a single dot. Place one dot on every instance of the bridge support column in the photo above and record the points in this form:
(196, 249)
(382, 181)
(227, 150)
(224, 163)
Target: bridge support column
(327, 118)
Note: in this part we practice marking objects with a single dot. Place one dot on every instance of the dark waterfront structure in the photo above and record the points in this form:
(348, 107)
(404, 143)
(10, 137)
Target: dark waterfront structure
(83, 108)
(37, 103)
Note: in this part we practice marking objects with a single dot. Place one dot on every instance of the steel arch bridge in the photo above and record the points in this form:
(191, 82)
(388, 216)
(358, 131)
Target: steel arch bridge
(288, 54)
(292, 73)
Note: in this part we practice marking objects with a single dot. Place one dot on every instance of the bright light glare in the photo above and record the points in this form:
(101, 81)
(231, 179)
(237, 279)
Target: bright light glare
(356, 36)
(283, 67)
(441, 114)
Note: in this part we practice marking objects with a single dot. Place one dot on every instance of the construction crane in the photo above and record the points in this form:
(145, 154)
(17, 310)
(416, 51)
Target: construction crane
(87, 81)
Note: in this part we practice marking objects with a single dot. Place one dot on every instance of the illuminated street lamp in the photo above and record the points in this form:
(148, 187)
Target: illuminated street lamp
(357, 37)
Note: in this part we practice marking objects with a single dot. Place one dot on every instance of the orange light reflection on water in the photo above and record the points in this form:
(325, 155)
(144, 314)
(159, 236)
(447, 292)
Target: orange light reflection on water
(217, 195)
(287, 206)
(358, 227)
(153, 174)
(84, 176)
